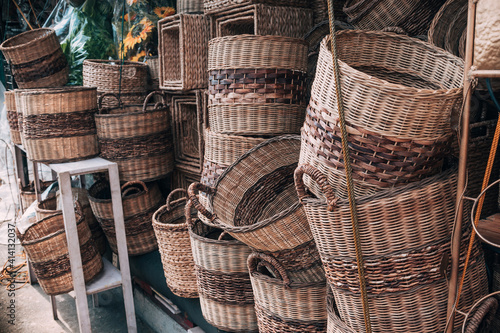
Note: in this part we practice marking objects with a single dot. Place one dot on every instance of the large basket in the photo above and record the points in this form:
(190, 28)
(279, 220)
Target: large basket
(283, 305)
(46, 245)
(37, 59)
(448, 26)
(224, 286)
(127, 78)
(58, 123)
(139, 204)
(190, 6)
(211, 171)
(138, 139)
(12, 117)
(214, 6)
(174, 244)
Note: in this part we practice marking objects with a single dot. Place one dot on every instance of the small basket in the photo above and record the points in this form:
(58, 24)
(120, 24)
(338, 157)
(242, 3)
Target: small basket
(174, 244)
(129, 79)
(138, 139)
(215, 6)
(190, 6)
(283, 305)
(28, 194)
(139, 204)
(46, 245)
(12, 117)
(37, 59)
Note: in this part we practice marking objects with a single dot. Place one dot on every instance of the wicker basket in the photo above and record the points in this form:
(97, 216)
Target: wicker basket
(46, 245)
(28, 194)
(183, 40)
(190, 6)
(58, 123)
(171, 230)
(211, 171)
(153, 63)
(283, 305)
(129, 79)
(138, 139)
(449, 25)
(36, 58)
(320, 10)
(139, 204)
(335, 324)
(49, 207)
(224, 286)
(182, 178)
(214, 6)
(10, 106)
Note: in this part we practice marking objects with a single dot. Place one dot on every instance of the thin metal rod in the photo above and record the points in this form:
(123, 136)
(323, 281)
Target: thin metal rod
(493, 73)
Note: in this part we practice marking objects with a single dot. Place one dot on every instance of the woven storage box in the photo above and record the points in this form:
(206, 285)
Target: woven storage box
(46, 245)
(174, 244)
(260, 19)
(402, 252)
(190, 6)
(36, 58)
(129, 79)
(224, 286)
(49, 207)
(139, 204)
(283, 305)
(214, 6)
(448, 26)
(58, 123)
(10, 107)
(138, 138)
(183, 40)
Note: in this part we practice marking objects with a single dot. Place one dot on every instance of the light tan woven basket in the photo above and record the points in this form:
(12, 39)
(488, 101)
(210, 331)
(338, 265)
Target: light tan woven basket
(12, 117)
(190, 6)
(214, 6)
(448, 26)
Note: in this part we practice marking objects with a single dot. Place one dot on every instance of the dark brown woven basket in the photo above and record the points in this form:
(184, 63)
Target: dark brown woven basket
(36, 58)
(214, 6)
(449, 25)
(46, 245)
(12, 117)
(138, 138)
(139, 204)
(174, 244)
(190, 6)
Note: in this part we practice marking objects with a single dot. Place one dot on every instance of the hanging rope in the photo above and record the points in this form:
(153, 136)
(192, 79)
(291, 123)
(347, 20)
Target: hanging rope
(122, 55)
(348, 171)
(22, 14)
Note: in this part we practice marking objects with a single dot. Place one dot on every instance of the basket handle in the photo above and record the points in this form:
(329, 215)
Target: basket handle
(197, 204)
(187, 214)
(319, 178)
(101, 98)
(486, 311)
(171, 203)
(222, 234)
(132, 185)
(258, 259)
(396, 30)
(157, 105)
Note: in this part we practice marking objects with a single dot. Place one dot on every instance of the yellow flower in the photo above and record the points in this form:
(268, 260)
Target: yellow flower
(162, 12)
(127, 17)
(138, 56)
(137, 34)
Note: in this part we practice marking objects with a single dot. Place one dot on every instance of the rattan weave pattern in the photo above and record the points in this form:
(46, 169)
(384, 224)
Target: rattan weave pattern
(189, 6)
(211, 171)
(214, 6)
(12, 117)
(449, 25)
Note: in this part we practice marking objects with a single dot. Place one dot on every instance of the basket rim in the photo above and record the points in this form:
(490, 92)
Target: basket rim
(210, 240)
(54, 90)
(163, 209)
(132, 196)
(60, 231)
(41, 32)
(108, 63)
(118, 115)
(44, 210)
(293, 284)
(218, 40)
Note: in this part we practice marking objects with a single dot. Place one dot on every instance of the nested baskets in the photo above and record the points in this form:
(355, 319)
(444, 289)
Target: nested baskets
(190, 6)
(46, 245)
(139, 204)
(171, 230)
(36, 58)
(284, 305)
(58, 123)
(182, 49)
(129, 79)
(224, 286)
(214, 6)
(138, 138)
(10, 107)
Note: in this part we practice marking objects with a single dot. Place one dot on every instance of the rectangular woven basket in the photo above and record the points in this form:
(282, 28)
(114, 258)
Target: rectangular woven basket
(215, 6)
(183, 47)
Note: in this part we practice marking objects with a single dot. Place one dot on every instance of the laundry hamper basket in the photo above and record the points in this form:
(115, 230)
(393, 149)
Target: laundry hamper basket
(171, 230)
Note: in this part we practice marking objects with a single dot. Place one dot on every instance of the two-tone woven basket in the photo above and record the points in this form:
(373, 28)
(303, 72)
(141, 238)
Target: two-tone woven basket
(36, 58)
(12, 117)
(174, 244)
(139, 204)
(138, 138)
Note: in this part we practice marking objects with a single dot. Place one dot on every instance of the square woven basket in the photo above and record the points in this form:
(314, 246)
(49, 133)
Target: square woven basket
(215, 6)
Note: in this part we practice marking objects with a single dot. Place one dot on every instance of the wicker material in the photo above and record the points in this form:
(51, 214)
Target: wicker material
(12, 117)
(449, 25)
(58, 123)
(28, 194)
(320, 10)
(183, 40)
(182, 178)
(36, 58)
(105, 75)
(153, 63)
(335, 324)
(226, 295)
(190, 6)
(283, 305)
(404, 87)
(174, 244)
(137, 138)
(214, 6)
(46, 245)
(139, 205)
(211, 171)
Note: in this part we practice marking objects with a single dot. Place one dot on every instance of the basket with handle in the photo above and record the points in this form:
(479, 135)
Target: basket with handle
(12, 117)
(174, 244)
(36, 58)
(282, 304)
(224, 286)
(46, 245)
(139, 204)
(137, 137)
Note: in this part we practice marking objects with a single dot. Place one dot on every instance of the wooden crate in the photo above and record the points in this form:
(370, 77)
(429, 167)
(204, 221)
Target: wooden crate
(183, 51)
(215, 6)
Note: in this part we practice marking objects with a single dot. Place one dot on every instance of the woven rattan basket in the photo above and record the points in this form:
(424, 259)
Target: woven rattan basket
(174, 244)
(138, 138)
(129, 79)
(283, 305)
(190, 6)
(36, 58)
(58, 123)
(224, 286)
(28, 194)
(214, 6)
(335, 324)
(153, 63)
(448, 26)
(46, 245)
(320, 10)
(182, 49)
(211, 171)
(10, 107)
(139, 204)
